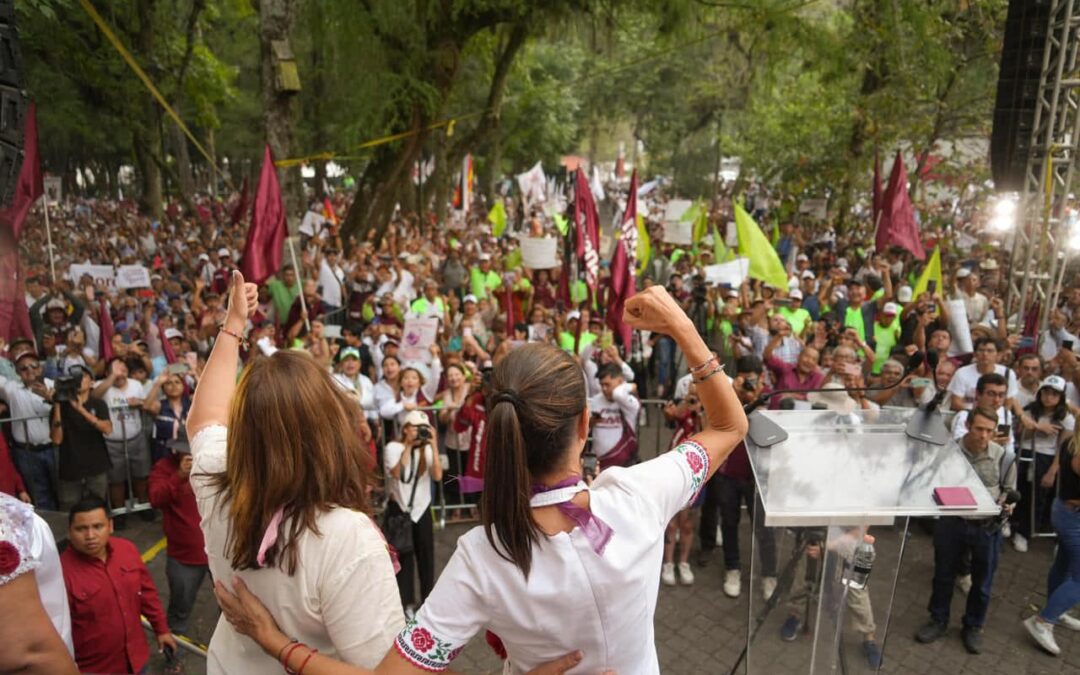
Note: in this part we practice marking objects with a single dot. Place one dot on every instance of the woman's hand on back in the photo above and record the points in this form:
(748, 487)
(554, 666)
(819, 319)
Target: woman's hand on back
(655, 310)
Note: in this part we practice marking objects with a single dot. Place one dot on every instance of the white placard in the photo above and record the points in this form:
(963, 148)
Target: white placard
(104, 274)
(54, 189)
(539, 253)
(417, 338)
(960, 328)
(680, 232)
(731, 234)
(676, 209)
(732, 273)
(815, 208)
(132, 276)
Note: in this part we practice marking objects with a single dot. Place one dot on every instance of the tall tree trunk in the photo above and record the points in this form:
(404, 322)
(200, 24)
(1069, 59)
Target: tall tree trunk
(439, 183)
(318, 95)
(147, 130)
(185, 178)
(275, 24)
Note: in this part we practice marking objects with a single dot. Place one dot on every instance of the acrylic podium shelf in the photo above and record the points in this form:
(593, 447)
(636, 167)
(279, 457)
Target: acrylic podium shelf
(834, 477)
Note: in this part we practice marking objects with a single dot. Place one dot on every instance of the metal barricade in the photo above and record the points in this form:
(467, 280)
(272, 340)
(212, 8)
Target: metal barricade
(130, 504)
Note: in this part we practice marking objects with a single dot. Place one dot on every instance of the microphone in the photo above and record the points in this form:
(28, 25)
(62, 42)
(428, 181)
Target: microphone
(927, 425)
(996, 523)
(764, 432)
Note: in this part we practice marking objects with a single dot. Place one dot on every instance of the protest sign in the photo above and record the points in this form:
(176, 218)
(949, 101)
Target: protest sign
(539, 253)
(731, 273)
(417, 338)
(676, 209)
(104, 274)
(54, 189)
(960, 328)
(680, 233)
(132, 276)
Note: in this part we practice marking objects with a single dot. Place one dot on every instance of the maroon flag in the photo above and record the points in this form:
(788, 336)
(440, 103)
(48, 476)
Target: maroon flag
(266, 234)
(14, 315)
(508, 296)
(587, 224)
(107, 331)
(30, 185)
(896, 224)
(166, 346)
(241, 205)
(623, 264)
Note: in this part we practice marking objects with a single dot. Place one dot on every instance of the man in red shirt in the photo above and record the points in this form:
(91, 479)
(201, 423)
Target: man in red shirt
(108, 587)
(186, 565)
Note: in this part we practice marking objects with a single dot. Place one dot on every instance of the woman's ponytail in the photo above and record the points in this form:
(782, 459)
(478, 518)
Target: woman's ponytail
(537, 397)
(504, 503)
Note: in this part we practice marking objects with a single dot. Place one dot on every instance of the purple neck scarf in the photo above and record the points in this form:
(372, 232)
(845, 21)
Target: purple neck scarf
(596, 531)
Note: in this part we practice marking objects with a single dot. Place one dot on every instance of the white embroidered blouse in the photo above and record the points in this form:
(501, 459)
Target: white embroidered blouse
(573, 598)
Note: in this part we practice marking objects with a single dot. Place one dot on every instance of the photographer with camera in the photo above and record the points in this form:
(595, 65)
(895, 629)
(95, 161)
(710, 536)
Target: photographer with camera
(410, 464)
(30, 397)
(79, 425)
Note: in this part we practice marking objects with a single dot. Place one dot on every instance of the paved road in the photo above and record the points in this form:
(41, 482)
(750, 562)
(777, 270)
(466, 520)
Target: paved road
(699, 630)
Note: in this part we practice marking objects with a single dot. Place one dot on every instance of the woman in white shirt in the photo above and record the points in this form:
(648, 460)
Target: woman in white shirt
(352, 380)
(410, 465)
(281, 480)
(556, 565)
(1046, 423)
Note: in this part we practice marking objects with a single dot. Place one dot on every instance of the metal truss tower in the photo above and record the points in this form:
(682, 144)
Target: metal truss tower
(1038, 255)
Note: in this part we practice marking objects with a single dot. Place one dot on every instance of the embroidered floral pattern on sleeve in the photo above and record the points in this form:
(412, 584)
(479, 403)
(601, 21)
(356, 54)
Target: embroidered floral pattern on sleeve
(16, 525)
(418, 646)
(698, 460)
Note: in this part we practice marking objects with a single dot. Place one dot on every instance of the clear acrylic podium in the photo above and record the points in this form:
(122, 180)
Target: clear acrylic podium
(836, 477)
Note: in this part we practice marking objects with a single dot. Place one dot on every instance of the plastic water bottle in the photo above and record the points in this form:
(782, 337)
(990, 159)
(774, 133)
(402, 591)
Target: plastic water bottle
(861, 563)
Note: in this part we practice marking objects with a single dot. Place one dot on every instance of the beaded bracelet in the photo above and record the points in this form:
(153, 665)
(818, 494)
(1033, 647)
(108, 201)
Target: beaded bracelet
(239, 338)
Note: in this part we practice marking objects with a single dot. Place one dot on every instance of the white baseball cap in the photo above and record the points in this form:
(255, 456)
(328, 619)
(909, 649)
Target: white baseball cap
(796, 294)
(963, 273)
(171, 333)
(417, 418)
(808, 274)
(573, 314)
(204, 257)
(904, 294)
(224, 253)
(469, 298)
(1055, 382)
(890, 308)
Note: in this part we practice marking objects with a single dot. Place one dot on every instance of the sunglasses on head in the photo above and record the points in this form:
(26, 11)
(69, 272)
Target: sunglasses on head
(28, 367)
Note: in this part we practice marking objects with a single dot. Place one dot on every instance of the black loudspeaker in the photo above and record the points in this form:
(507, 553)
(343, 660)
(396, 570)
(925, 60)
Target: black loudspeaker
(12, 103)
(1026, 28)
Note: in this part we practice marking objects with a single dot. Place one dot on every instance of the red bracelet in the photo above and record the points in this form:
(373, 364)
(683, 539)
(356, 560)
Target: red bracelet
(304, 664)
(288, 655)
(288, 644)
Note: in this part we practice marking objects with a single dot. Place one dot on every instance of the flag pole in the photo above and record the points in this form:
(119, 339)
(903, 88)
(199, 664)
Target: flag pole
(299, 280)
(48, 237)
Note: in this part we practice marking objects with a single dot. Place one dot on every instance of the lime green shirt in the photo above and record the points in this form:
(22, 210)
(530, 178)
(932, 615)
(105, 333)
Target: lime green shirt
(798, 318)
(885, 338)
(480, 283)
(421, 304)
(853, 318)
(566, 340)
(282, 297)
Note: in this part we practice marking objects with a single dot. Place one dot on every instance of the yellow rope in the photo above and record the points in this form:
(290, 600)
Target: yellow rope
(141, 74)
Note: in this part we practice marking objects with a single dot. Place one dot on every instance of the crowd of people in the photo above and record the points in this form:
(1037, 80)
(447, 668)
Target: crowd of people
(100, 393)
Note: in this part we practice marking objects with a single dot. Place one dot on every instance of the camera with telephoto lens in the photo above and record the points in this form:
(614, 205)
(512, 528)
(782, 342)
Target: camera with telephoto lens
(423, 433)
(66, 388)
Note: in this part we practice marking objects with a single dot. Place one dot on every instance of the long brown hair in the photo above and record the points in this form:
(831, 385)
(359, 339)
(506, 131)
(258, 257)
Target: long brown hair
(293, 445)
(537, 397)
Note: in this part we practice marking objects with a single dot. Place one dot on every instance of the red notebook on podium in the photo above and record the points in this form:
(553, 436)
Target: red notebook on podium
(958, 498)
